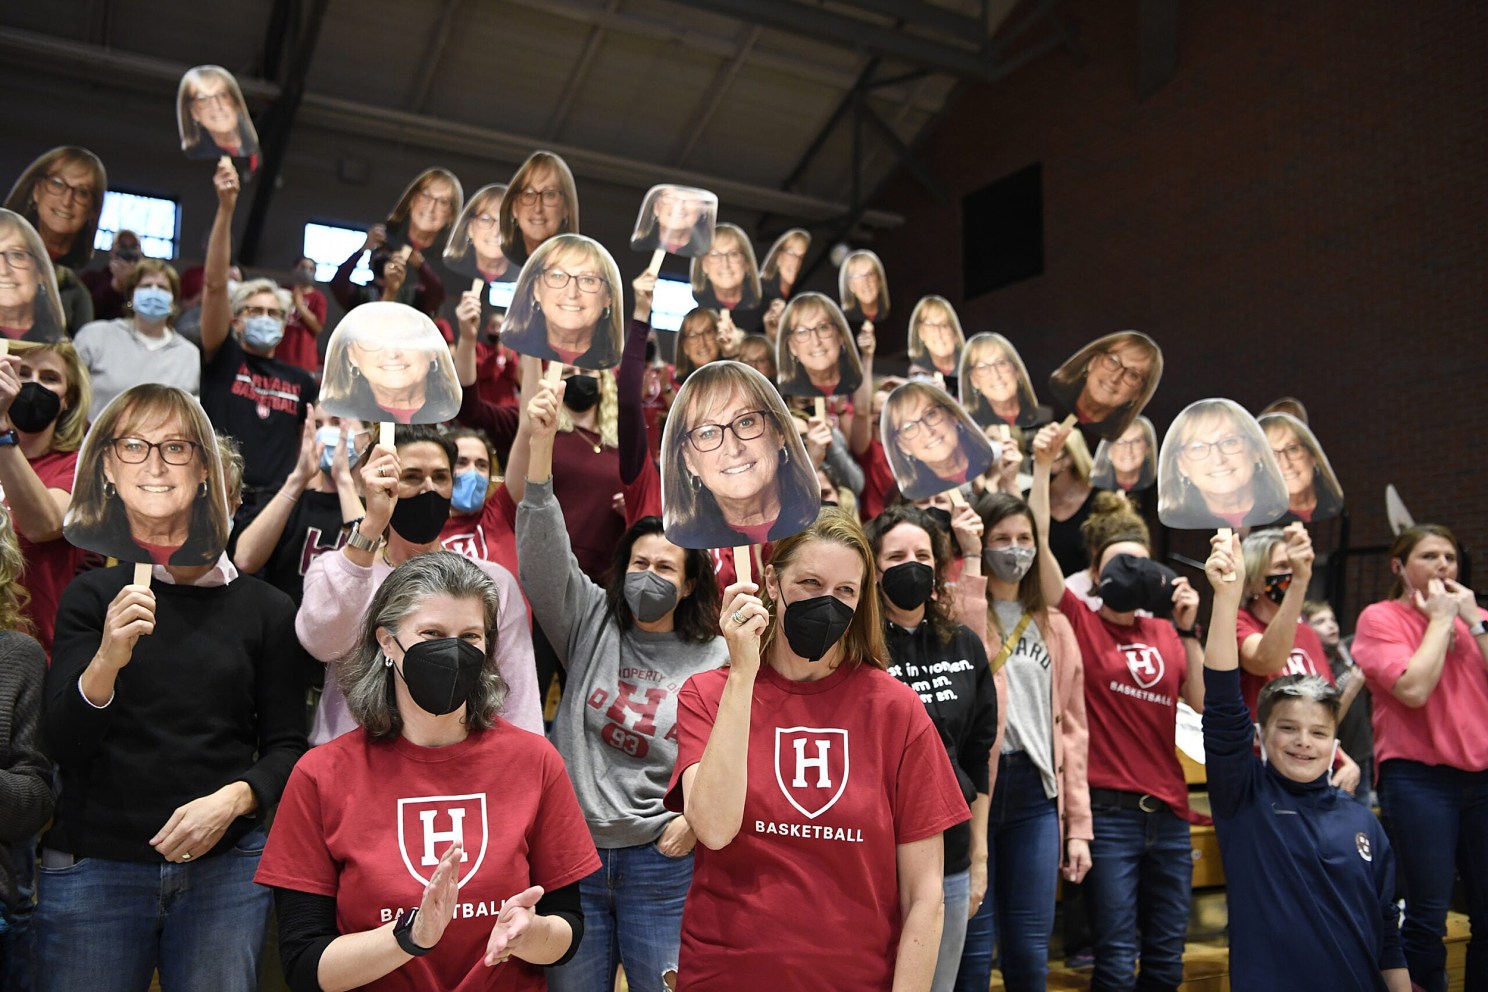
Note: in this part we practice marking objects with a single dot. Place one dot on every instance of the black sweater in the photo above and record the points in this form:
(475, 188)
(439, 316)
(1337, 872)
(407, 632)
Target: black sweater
(955, 684)
(213, 696)
(25, 775)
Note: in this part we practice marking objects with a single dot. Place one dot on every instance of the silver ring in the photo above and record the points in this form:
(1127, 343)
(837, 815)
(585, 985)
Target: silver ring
(383, 471)
(186, 856)
(739, 618)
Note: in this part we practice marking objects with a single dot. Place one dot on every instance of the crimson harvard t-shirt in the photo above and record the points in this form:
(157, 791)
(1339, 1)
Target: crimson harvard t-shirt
(51, 564)
(366, 823)
(1307, 657)
(1133, 678)
(841, 771)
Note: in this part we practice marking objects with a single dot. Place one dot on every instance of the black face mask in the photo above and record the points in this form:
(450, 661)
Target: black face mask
(1130, 583)
(941, 516)
(440, 674)
(34, 408)
(419, 519)
(908, 584)
(581, 393)
(1277, 586)
(813, 625)
(649, 596)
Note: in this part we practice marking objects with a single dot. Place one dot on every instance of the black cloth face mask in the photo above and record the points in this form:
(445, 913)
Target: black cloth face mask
(1131, 583)
(34, 408)
(581, 393)
(1276, 586)
(813, 625)
(419, 519)
(908, 584)
(441, 674)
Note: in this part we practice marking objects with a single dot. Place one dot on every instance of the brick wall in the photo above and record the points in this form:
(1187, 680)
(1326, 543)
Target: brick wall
(1299, 210)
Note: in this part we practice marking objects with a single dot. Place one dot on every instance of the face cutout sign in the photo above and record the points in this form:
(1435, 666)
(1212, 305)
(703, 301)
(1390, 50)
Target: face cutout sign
(935, 338)
(1313, 492)
(994, 384)
(1216, 469)
(149, 486)
(566, 306)
(699, 342)
(61, 195)
(863, 287)
(815, 353)
(425, 211)
(542, 202)
(1107, 383)
(931, 443)
(387, 362)
(474, 247)
(678, 220)
(212, 117)
(733, 469)
(1129, 463)
(783, 263)
(725, 277)
(29, 303)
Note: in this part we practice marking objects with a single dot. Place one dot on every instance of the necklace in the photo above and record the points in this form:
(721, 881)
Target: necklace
(585, 434)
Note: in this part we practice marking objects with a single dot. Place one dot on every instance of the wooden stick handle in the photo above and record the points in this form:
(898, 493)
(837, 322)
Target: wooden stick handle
(385, 434)
(742, 567)
(553, 374)
(656, 257)
(1224, 535)
(1069, 421)
(476, 284)
(1004, 433)
(821, 408)
(954, 494)
(224, 160)
(142, 570)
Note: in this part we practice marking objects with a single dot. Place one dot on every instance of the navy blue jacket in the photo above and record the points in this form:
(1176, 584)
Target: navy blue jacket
(1309, 874)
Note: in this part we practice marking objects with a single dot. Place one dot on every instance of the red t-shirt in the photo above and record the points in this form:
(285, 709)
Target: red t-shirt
(51, 564)
(298, 346)
(496, 374)
(841, 772)
(879, 484)
(366, 822)
(1450, 728)
(1307, 657)
(1133, 678)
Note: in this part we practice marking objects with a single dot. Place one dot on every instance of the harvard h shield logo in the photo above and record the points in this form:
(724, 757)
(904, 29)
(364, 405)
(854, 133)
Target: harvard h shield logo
(428, 825)
(811, 765)
(1145, 663)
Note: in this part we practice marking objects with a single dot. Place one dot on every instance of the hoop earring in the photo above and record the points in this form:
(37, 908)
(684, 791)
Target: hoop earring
(784, 455)
(110, 490)
(201, 492)
(386, 661)
(697, 483)
(356, 372)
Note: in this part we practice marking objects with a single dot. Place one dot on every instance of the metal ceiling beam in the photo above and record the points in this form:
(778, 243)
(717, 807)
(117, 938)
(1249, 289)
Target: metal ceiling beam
(949, 56)
(916, 14)
(888, 136)
(419, 93)
(278, 37)
(637, 25)
(75, 61)
(691, 134)
(578, 75)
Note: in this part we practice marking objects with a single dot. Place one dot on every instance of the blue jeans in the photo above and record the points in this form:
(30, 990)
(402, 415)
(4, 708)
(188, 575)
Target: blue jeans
(15, 922)
(953, 933)
(1138, 889)
(1438, 823)
(1022, 871)
(632, 916)
(102, 925)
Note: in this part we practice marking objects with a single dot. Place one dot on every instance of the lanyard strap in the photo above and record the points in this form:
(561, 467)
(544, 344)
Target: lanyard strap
(1011, 642)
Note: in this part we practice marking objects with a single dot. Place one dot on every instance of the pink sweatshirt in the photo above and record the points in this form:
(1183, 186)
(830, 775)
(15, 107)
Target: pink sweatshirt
(337, 594)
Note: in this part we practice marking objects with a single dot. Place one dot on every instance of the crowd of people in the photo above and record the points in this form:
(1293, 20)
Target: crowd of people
(805, 677)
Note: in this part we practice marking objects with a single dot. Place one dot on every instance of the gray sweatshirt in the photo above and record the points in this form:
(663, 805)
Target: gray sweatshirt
(614, 726)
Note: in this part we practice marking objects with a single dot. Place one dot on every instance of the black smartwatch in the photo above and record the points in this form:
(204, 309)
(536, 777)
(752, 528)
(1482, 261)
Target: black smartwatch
(403, 932)
(9, 438)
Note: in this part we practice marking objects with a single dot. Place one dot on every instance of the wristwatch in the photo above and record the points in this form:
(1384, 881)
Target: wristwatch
(356, 539)
(9, 438)
(403, 933)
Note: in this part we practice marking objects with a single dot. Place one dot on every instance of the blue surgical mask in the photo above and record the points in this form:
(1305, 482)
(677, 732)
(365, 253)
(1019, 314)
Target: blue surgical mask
(470, 491)
(153, 303)
(330, 437)
(263, 333)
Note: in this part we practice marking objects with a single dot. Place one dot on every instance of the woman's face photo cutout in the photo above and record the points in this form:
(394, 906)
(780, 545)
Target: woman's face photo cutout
(783, 262)
(474, 246)
(678, 220)
(994, 384)
(387, 362)
(931, 443)
(733, 469)
(1107, 383)
(1129, 463)
(149, 486)
(212, 117)
(566, 305)
(935, 338)
(61, 195)
(1216, 469)
(30, 306)
(863, 287)
(1313, 492)
(426, 209)
(815, 353)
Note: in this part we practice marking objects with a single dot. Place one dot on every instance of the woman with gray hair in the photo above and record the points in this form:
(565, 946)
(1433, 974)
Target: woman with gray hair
(482, 859)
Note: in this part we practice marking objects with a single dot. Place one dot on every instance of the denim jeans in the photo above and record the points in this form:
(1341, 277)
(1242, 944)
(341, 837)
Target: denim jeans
(1438, 823)
(1138, 888)
(1022, 871)
(953, 933)
(102, 926)
(632, 916)
(15, 922)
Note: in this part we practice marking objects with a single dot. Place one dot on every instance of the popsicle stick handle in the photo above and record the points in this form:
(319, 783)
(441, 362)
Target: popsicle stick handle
(553, 374)
(404, 252)
(1004, 433)
(4, 346)
(821, 408)
(1224, 535)
(224, 160)
(385, 433)
(656, 257)
(742, 566)
(954, 494)
(142, 570)
(1069, 421)
(476, 284)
